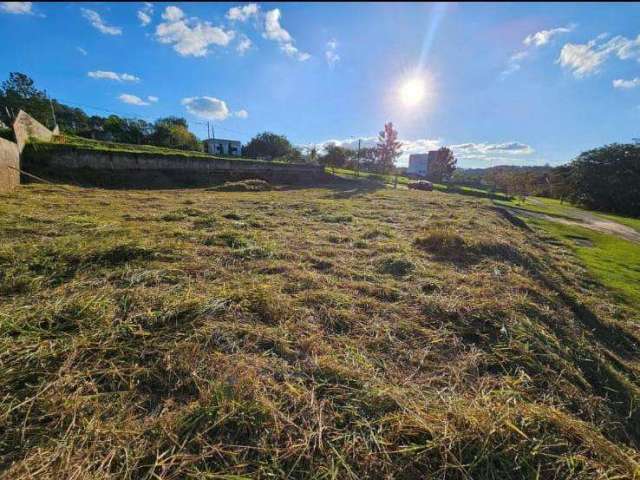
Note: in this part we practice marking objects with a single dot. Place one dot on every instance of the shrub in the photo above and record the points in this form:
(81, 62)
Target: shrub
(441, 242)
(397, 267)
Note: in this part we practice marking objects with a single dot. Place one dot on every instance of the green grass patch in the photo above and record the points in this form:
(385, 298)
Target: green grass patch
(612, 261)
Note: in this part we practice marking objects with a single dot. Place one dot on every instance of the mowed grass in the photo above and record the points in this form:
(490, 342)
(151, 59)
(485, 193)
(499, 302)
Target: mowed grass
(613, 261)
(321, 333)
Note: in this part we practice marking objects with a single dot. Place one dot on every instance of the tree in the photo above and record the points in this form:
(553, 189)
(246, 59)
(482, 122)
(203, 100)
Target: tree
(267, 145)
(607, 178)
(173, 132)
(443, 165)
(312, 154)
(19, 93)
(335, 156)
(388, 148)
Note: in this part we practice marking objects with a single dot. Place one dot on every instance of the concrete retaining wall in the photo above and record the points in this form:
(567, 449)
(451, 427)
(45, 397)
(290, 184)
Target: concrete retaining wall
(122, 169)
(26, 127)
(9, 163)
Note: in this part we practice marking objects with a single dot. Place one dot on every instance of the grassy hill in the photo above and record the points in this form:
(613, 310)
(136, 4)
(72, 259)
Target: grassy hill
(318, 333)
(71, 141)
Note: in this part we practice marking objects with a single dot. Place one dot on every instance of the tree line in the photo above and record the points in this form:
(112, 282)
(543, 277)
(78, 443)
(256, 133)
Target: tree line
(605, 178)
(19, 92)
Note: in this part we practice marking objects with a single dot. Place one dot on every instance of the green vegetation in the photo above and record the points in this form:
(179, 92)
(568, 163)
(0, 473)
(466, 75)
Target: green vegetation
(325, 333)
(552, 206)
(613, 261)
(66, 141)
(18, 92)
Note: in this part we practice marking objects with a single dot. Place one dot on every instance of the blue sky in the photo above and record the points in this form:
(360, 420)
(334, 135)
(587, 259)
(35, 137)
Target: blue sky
(501, 83)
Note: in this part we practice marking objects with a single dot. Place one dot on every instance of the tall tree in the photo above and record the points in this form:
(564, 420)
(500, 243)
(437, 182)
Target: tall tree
(443, 165)
(268, 145)
(388, 148)
(18, 92)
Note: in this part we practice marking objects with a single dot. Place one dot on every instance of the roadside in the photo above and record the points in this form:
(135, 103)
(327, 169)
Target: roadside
(553, 211)
(609, 250)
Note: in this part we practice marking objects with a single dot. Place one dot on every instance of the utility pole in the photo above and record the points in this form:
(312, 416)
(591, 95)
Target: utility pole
(53, 114)
(358, 160)
(208, 130)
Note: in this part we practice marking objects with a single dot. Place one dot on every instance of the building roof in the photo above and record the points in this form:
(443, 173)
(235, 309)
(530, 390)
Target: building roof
(221, 140)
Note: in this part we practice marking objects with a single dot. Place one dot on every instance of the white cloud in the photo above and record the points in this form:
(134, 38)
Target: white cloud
(587, 58)
(210, 108)
(17, 8)
(242, 114)
(82, 51)
(330, 54)
(274, 31)
(152, 99)
(543, 37)
(487, 150)
(97, 22)
(272, 28)
(190, 37)
(118, 77)
(132, 99)
(243, 45)
(531, 42)
(633, 83)
(291, 51)
(241, 14)
(144, 14)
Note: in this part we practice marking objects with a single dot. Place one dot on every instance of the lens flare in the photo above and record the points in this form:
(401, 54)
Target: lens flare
(413, 91)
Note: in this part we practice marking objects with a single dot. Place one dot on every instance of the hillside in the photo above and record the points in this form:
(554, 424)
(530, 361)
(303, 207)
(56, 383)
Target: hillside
(304, 333)
(72, 141)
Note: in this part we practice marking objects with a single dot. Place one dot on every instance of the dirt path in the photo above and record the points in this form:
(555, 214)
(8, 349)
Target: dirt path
(586, 220)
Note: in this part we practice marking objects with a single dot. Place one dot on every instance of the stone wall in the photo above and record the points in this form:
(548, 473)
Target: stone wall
(149, 170)
(26, 127)
(9, 165)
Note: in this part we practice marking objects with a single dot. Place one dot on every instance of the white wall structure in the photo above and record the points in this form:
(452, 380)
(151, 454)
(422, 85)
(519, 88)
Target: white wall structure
(221, 146)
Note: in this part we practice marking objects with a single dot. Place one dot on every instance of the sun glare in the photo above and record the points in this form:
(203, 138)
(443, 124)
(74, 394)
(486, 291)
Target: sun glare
(413, 91)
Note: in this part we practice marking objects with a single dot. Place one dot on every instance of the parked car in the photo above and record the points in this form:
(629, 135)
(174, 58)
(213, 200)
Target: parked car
(421, 185)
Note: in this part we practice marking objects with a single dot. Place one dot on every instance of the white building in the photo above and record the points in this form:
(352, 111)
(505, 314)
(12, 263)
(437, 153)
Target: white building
(418, 164)
(221, 146)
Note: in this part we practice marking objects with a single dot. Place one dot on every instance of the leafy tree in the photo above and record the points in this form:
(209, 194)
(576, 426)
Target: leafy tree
(268, 145)
(388, 148)
(607, 178)
(335, 156)
(442, 167)
(368, 158)
(19, 93)
(173, 132)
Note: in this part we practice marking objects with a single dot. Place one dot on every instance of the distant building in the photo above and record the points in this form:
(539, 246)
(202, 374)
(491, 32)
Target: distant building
(419, 163)
(221, 146)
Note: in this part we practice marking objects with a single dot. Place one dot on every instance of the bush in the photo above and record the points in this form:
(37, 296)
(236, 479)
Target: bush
(607, 178)
(397, 267)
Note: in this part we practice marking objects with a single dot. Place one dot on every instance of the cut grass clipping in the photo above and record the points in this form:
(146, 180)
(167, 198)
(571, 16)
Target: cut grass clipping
(322, 334)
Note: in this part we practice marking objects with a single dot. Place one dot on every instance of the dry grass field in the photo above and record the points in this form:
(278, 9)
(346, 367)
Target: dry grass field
(323, 333)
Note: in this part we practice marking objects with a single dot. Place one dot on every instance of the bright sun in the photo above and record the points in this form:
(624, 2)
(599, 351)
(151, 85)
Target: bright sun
(412, 91)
